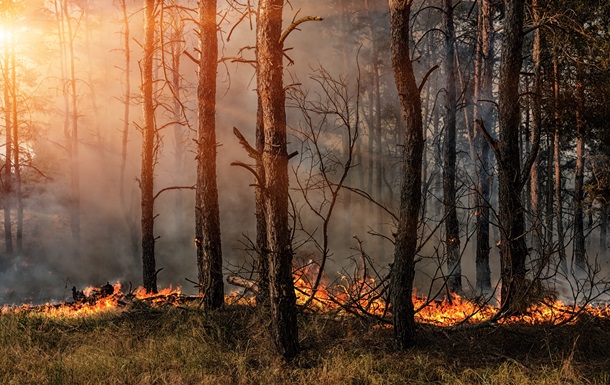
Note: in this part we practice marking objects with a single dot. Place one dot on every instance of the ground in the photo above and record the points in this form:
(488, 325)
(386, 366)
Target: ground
(186, 345)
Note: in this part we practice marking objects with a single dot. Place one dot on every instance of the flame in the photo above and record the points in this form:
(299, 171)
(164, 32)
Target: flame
(343, 297)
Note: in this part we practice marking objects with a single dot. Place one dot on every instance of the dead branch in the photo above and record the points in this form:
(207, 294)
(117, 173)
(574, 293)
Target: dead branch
(246, 283)
(295, 24)
(172, 188)
(249, 168)
(252, 153)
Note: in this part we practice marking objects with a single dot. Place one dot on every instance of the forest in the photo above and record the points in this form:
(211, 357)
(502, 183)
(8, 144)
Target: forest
(413, 172)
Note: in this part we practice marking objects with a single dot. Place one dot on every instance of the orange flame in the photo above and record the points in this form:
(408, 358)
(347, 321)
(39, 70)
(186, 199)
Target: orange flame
(343, 297)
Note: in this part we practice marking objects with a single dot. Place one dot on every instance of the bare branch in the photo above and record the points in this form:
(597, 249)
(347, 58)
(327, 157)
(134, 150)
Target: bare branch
(295, 24)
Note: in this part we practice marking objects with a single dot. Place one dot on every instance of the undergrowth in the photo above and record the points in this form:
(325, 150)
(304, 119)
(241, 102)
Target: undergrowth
(232, 346)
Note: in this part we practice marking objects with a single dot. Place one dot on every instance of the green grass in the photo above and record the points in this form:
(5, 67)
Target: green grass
(188, 346)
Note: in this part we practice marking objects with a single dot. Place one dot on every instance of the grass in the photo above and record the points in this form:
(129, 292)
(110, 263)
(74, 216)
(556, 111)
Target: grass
(188, 346)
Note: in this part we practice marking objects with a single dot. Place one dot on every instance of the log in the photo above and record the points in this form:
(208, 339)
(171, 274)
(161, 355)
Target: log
(246, 283)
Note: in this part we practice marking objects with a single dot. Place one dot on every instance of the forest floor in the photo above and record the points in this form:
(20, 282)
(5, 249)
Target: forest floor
(184, 345)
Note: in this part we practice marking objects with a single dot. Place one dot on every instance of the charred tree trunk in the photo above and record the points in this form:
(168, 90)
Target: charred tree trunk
(207, 214)
(580, 260)
(483, 113)
(275, 161)
(403, 270)
(452, 229)
(513, 248)
(148, 152)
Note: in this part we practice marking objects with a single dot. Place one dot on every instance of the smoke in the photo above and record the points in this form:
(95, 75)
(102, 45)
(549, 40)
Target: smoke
(50, 263)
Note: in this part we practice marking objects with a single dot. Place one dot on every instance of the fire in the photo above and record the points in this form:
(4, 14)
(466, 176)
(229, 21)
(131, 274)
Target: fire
(343, 297)
(96, 300)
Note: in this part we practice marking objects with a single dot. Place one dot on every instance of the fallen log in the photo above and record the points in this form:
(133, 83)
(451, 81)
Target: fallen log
(246, 283)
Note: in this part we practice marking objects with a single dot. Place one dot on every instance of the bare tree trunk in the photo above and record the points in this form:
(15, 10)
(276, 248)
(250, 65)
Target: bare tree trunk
(557, 156)
(176, 48)
(275, 160)
(483, 96)
(452, 229)
(149, 271)
(207, 213)
(513, 248)
(403, 270)
(17, 193)
(73, 145)
(603, 228)
(580, 260)
(261, 216)
(8, 164)
(536, 228)
(131, 223)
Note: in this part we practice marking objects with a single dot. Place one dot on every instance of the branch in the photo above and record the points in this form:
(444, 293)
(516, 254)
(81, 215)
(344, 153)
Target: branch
(249, 284)
(294, 26)
(531, 158)
(188, 54)
(172, 188)
(252, 153)
(258, 178)
(426, 76)
(492, 142)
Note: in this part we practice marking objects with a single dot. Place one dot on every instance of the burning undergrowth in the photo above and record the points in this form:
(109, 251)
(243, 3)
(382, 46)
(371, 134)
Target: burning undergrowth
(364, 298)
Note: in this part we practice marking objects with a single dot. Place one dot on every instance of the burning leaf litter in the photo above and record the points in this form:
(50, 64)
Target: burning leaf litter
(360, 298)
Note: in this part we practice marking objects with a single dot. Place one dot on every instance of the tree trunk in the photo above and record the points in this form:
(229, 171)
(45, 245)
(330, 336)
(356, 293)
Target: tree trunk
(17, 193)
(73, 145)
(275, 161)
(149, 271)
(483, 96)
(403, 270)
(557, 163)
(536, 228)
(603, 228)
(131, 223)
(8, 164)
(513, 248)
(452, 230)
(176, 48)
(261, 217)
(579, 231)
(207, 214)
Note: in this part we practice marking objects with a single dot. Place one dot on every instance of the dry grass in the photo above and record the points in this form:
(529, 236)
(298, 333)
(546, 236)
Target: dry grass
(189, 346)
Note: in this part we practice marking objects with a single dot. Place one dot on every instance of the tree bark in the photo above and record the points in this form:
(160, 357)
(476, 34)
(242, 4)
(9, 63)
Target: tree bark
(207, 213)
(536, 228)
(557, 165)
(148, 150)
(483, 113)
(513, 248)
(403, 269)
(275, 161)
(452, 229)
(603, 228)
(260, 213)
(580, 261)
